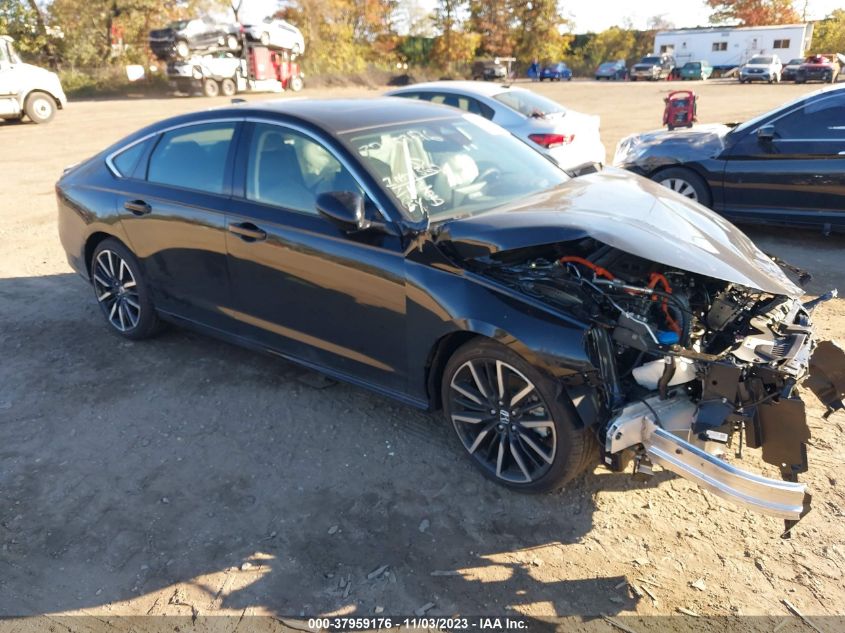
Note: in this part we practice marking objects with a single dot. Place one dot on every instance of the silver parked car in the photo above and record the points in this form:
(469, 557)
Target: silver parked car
(277, 33)
(571, 139)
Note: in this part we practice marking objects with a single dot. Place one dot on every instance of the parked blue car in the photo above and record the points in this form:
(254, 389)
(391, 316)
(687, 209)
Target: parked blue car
(556, 72)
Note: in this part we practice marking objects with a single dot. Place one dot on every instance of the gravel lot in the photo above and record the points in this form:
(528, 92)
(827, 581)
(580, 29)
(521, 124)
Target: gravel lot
(185, 475)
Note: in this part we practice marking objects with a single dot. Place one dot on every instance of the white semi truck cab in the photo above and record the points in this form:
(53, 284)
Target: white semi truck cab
(26, 89)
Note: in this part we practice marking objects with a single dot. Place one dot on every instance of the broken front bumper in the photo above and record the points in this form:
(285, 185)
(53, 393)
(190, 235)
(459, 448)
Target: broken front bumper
(663, 432)
(662, 427)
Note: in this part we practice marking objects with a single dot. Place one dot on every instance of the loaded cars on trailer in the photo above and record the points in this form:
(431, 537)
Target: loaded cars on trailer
(184, 38)
(276, 33)
(242, 65)
(26, 89)
(557, 322)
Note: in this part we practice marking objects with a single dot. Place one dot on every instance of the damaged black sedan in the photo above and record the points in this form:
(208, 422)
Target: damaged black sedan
(432, 257)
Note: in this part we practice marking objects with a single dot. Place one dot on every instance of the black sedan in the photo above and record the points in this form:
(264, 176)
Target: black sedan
(429, 255)
(785, 166)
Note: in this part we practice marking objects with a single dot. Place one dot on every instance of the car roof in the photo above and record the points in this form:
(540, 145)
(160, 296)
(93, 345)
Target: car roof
(338, 116)
(481, 88)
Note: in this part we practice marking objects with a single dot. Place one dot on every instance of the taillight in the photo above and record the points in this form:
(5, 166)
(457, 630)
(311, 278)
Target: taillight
(550, 141)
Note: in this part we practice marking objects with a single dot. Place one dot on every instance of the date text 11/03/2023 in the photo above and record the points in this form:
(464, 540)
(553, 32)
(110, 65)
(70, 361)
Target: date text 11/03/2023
(478, 623)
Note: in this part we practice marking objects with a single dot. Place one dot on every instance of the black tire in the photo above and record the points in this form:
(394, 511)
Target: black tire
(543, 455)
(130, 305)
(39, 107)
(210, 88)
(700, 190)
(228, 87)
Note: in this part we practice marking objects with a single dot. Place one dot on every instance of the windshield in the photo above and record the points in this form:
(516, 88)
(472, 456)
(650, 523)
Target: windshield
(529, 103)
(607, 66)
(760, 60)
(692, 65)
(178, 25)
(794, 62)
(452, 167)
(650, 60)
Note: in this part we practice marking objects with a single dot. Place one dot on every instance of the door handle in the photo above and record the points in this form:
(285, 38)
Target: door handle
(138, 207)
(248, 232)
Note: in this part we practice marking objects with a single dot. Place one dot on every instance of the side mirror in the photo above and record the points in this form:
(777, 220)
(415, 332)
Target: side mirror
(766, 134)
(344, 208)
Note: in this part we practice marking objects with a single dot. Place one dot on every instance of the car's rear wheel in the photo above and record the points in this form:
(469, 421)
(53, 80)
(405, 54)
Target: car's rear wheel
(228, 87)
(210, 88)
(685, 182)
(40, 107)
(513, 421)
(121, 291)
(296, 83)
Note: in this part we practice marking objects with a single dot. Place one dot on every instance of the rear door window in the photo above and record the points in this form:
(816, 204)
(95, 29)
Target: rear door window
(193, 157)
(820, 119)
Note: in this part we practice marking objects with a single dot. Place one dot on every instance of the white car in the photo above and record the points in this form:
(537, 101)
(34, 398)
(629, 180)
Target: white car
(26, 89)
(571, 139)
(278, 34)
(761, 68)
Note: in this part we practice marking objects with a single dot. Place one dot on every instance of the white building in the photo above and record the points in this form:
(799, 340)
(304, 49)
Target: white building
(727, 47)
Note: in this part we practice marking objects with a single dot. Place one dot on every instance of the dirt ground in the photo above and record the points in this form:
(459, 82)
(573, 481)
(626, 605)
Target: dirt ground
(183, 475)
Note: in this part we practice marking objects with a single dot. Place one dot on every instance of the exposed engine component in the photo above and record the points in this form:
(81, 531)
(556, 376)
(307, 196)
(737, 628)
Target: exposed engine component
(689, 365)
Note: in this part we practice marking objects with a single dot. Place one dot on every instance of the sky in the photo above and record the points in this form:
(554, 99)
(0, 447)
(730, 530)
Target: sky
(597, 15)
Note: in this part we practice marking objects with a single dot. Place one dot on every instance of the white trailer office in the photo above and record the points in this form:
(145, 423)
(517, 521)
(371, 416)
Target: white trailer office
(730, 46)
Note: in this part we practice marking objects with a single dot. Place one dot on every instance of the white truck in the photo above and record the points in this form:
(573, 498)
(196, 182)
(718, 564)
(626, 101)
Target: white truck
(26, 89)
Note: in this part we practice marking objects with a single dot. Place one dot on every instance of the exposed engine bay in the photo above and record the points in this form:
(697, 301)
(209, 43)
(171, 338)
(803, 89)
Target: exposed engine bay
(689, 368)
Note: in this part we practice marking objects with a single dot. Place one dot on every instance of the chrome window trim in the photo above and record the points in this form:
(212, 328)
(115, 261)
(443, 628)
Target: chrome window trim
(110, 158)
(354, 170)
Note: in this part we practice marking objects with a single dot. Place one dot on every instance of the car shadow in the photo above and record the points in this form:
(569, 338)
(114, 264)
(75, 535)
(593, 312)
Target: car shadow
(187, 474)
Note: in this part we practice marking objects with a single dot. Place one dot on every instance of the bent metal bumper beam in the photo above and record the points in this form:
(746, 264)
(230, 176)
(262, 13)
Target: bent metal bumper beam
(638, 424)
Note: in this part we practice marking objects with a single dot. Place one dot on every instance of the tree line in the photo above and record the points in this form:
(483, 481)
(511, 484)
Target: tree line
(346, 36)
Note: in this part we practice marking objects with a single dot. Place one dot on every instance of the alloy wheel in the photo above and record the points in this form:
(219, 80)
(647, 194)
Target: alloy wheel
(680, 186)
(116, 290)
(502, 420)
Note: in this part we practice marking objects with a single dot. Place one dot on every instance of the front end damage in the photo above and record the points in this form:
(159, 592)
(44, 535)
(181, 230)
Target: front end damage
(690, 369)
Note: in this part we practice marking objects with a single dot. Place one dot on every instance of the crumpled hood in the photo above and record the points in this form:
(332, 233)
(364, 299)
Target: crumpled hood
(626, 212)
(700, 141)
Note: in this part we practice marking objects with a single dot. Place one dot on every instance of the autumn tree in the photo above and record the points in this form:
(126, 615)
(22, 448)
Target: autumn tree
(611, 44)
(493, 20)
(539, 32)
(829, 34)
(753, 12)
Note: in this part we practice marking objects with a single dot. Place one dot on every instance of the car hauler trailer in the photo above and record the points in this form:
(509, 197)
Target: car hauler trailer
(257, 69)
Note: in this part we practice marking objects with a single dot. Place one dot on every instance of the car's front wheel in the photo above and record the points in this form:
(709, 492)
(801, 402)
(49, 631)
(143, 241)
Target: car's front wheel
(40, 107)
(685, 182)
(265, 39)
(121, 291)
(515, 424)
